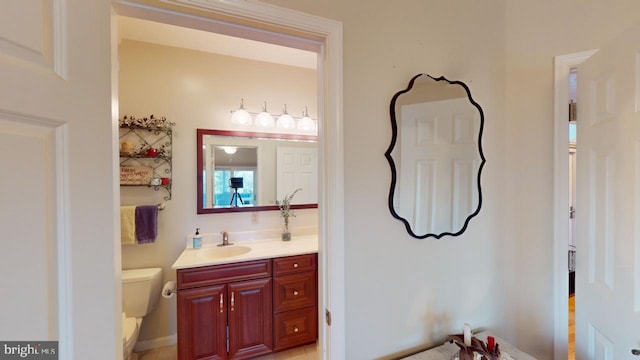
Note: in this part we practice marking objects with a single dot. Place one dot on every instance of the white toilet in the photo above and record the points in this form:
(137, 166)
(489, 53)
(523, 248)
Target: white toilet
(140, 293)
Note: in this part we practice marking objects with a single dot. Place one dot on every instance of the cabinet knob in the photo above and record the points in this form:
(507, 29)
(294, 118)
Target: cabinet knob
(295, 265)
(295, 292)
(295, 329)
(233, 300)
(221, 303)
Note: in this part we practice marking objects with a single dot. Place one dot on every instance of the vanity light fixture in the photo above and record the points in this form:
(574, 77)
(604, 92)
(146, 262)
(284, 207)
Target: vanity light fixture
(285, 121)
(306, 123)
(264, 119)
(241, 116)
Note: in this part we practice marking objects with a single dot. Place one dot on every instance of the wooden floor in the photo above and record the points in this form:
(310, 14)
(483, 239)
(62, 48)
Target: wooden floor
(572, 327)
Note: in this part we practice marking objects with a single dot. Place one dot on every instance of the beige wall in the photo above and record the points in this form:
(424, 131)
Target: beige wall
(402, 292)
(198, 90)
(504, 51)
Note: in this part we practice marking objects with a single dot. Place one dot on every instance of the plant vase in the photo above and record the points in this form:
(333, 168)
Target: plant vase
(286, 235)
(285, 212)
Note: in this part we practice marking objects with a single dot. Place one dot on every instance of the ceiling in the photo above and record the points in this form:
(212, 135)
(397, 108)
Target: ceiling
(171, 35)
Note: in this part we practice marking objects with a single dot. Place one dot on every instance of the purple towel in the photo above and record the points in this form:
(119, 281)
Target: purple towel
(146, 223)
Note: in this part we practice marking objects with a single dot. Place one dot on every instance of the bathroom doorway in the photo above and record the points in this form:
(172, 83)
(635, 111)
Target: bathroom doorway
(564, 304)
(301, 31)
(571, 241)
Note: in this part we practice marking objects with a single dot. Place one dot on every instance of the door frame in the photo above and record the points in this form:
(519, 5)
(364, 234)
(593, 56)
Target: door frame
(562, 68)
(275, 23)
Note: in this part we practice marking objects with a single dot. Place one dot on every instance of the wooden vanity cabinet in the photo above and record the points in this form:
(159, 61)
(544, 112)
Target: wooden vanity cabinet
(295, 299)
(247, 309)
(225, 311)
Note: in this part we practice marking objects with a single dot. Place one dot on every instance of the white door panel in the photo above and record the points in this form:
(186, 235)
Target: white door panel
(57, 192)
(438, 151)
(608, 202)
(27, 221)
(297, 168)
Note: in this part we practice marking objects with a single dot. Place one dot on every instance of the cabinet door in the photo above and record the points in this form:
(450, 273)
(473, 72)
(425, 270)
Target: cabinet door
(202, 320)
(250, 318)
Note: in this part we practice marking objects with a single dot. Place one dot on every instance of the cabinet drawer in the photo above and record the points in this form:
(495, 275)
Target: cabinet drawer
(294, 291)
(295, 327)
(293, 264)
(217, 274)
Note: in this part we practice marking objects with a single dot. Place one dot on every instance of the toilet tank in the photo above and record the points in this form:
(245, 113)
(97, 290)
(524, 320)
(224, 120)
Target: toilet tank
(140, 291)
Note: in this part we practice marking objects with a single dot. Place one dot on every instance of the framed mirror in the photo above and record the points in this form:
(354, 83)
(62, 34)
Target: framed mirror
(249, 171)
(435, 156)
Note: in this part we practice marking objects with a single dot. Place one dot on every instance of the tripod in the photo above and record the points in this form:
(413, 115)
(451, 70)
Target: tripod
(234, 198)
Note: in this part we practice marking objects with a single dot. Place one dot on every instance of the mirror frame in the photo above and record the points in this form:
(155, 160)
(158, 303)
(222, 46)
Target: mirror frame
(394, 175)
(244, 134)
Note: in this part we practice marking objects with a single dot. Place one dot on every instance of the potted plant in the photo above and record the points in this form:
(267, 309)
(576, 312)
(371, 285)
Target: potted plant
(286, 212)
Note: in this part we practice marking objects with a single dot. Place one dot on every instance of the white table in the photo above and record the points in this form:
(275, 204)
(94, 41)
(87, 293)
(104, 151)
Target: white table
(448, 350)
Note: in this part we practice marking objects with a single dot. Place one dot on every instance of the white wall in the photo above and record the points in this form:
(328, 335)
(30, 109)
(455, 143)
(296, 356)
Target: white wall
(402, 292)
(198, 90)
(504, 51)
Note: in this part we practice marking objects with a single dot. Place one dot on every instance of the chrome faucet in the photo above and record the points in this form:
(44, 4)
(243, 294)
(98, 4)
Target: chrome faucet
(225, 239)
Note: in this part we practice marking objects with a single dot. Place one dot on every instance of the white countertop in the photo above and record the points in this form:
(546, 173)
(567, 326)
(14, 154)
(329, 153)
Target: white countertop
(262, 249)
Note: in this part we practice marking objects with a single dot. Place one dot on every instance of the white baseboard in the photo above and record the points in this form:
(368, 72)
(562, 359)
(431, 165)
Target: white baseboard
(156, 343)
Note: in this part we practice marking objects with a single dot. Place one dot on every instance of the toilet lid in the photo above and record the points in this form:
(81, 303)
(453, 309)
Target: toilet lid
(129, 328)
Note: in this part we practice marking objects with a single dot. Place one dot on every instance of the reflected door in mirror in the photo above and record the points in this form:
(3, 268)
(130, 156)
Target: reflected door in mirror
(435, 157)
(297, 168)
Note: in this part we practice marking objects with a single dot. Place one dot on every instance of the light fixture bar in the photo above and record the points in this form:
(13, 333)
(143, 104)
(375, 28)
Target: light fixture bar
(266, 120)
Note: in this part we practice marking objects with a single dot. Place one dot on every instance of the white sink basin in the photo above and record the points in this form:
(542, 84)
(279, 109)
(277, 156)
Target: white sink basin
(222, 252)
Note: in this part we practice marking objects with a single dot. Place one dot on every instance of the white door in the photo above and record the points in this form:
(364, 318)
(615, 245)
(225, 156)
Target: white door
(297, 167)
(438, 148)
(57, 250)
(608, 202)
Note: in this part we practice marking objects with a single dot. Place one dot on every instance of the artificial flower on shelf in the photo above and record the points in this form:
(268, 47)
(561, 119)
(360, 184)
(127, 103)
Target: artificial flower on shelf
(149, 122)
(286, 212)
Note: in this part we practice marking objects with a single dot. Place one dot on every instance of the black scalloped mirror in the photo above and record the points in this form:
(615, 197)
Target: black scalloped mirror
(435, 156)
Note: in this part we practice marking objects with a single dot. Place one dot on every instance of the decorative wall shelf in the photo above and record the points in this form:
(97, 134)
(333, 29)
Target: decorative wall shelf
(146, 152)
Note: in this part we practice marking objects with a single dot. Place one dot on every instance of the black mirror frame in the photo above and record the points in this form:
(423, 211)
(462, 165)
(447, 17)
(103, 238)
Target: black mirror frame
(394, 138)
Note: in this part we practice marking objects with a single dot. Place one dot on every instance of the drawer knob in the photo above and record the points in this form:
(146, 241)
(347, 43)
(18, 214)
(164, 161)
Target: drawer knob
(295, 329)
(295, 292)
(295, 265)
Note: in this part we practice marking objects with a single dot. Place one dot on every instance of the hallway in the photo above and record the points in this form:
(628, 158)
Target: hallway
(572, 327)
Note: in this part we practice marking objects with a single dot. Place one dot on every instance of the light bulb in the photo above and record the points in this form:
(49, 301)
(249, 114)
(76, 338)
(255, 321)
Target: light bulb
(230, 149)
(306, 123)
(264, 119)
(285, 121)
(241, 116)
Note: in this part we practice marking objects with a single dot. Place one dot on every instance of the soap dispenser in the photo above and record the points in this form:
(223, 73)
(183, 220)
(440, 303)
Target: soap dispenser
(197, 239)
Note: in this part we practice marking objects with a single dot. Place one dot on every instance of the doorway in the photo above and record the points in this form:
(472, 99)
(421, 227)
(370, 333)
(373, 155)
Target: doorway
(256, 21)
(571, 248)
(563, 66)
